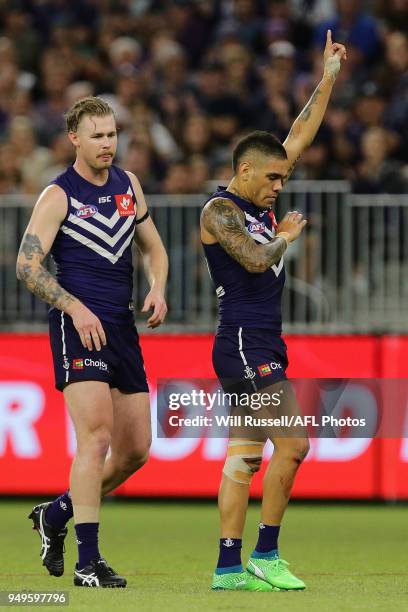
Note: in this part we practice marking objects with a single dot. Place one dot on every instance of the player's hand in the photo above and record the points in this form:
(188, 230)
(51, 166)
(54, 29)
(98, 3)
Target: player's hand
(333, 54)
(292, 225)
(88, 326)
(155, 299)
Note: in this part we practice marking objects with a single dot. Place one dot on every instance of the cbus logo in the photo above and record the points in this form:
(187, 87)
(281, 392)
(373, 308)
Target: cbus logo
(256, 228)
(86, 211)
(124, 203)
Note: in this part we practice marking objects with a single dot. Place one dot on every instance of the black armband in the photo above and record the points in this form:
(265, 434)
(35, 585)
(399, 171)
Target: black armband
(143, 218)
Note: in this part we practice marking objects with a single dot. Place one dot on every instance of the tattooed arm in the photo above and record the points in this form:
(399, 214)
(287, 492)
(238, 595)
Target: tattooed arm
(36, 277)
(45, 221)
(48, 214)
(306, 125)
(224, 222)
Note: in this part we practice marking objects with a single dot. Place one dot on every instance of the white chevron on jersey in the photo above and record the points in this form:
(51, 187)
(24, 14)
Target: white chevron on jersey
(97, 247)
(267, 231)
(110, 240)
(278, 267)
(101, 218)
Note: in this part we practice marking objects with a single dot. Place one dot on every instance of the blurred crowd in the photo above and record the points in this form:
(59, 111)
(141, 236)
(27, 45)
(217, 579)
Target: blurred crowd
(187, 78)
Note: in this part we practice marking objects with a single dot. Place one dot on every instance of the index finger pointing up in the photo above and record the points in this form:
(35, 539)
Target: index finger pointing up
(328, 38)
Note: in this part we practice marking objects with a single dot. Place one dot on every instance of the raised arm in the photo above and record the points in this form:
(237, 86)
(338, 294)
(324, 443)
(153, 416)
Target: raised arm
(306, 125)
(224, 221)
(155, 260)
(48, 214)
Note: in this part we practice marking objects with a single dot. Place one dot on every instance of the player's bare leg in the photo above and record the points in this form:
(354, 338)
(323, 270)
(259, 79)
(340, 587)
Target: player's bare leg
(131, 438)
(232, 504)
(244, 458)
(129, 444)
(91, 409)
(290, 448)
(279, 477)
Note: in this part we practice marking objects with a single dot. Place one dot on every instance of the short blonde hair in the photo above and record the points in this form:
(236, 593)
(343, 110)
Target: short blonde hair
(91, 106)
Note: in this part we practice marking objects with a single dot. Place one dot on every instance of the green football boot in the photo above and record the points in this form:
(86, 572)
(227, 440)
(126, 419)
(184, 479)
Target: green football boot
(275, 572)
(240, 581)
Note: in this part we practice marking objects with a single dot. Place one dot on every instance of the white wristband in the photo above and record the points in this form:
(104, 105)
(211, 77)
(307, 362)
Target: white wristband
(285, 236)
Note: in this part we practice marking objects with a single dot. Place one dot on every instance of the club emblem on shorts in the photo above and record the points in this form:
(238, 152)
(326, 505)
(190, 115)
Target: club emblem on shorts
(65, 365)
(124, 203)
(249, 373)
(78, 364)
(264, 369)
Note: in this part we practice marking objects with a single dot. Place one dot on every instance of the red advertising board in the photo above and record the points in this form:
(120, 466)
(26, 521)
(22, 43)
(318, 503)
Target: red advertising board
(37, 441)
(393, 476)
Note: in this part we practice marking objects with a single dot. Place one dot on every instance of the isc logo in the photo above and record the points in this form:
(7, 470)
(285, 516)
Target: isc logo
(104, 199)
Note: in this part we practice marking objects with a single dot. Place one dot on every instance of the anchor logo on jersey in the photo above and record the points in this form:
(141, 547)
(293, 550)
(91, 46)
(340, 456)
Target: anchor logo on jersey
(124, 203)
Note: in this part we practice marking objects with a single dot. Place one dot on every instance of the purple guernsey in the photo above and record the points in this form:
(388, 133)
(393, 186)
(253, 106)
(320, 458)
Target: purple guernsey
(247, 299)
(93, 248)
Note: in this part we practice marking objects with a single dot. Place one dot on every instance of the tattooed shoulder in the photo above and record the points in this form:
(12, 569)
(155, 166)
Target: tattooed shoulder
(222, 213)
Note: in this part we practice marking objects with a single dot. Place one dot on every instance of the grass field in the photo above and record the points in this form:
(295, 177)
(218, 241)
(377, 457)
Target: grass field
(352, 558)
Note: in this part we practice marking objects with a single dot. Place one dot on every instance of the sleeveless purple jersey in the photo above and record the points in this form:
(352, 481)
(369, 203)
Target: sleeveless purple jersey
(93, 248)
(247, 299)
